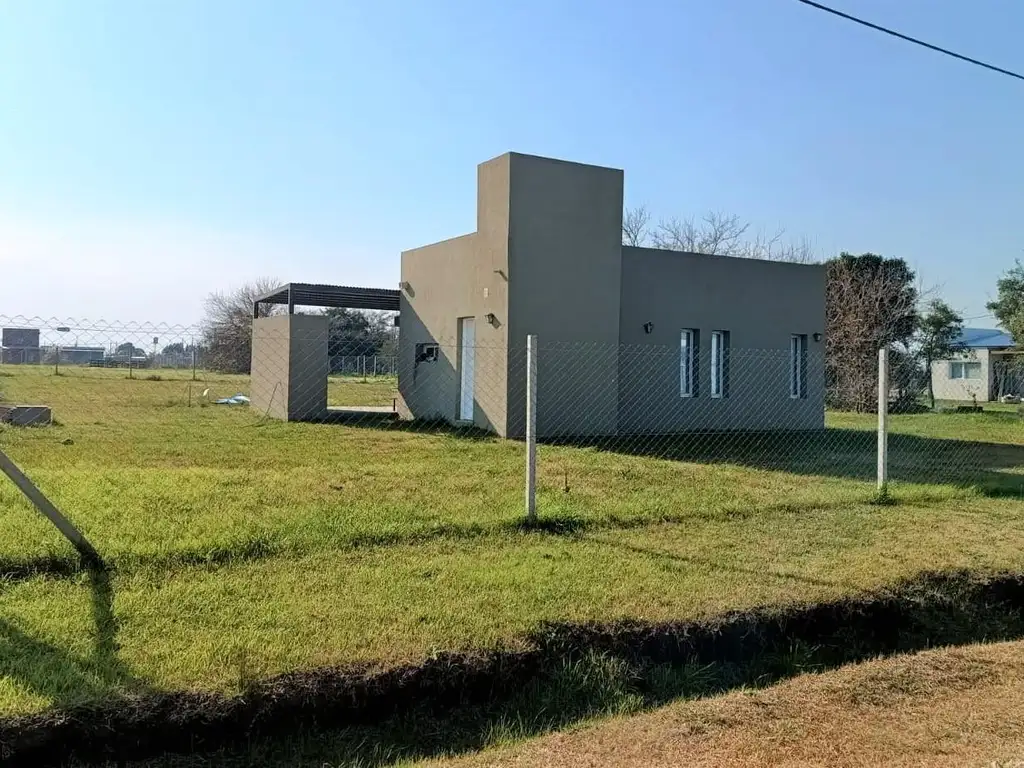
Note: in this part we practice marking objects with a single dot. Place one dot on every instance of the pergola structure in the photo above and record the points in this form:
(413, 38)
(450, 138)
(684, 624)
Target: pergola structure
(290, 352)
(313, 295)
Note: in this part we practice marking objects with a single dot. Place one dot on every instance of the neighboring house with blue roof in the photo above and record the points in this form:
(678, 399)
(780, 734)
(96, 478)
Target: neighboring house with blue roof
(984, 371)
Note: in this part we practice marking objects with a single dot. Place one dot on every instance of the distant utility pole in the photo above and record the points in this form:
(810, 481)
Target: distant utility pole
(56, 358)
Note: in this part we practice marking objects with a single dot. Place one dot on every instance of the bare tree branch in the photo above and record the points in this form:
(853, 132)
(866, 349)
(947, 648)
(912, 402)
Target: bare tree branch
(636, 226)
(869, 302)
(716, 234)
(227, 325)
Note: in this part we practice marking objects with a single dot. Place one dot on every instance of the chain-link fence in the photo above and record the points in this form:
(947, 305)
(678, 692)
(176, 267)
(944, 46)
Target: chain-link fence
(118, 422)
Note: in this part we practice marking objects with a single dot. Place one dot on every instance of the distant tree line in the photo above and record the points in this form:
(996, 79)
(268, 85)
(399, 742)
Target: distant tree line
(361, 333)
(181, 349)
(176, 349)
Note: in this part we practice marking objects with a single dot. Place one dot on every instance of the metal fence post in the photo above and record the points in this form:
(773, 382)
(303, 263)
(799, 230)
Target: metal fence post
(531, 428)
(883, 420)
(46, 507)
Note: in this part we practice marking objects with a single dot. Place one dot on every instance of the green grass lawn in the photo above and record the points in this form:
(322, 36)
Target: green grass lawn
(243, 548)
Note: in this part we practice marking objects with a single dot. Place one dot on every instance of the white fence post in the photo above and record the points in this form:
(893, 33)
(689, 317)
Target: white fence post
(531, 428)
(883, 420)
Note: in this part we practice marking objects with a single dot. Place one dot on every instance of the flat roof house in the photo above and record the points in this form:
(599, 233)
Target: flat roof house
(987, 369)
(631, 340)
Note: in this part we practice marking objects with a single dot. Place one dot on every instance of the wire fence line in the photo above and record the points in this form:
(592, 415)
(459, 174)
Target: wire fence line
(707, 426)
(107, 344)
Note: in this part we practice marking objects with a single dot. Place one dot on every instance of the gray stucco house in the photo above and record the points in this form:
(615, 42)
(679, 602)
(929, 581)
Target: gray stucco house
(987, 368)
(631, 340)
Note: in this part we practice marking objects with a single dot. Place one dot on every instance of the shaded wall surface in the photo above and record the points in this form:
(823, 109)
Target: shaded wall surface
(289, 367)
(759, 304)
(443, 283)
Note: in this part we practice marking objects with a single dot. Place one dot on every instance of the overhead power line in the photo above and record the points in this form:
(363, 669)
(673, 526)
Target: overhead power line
(910, 39)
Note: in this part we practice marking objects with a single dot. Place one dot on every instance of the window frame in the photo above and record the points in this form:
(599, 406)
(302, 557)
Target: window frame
(719, 364)
(687, 360)
(798, 366)
(964, 366)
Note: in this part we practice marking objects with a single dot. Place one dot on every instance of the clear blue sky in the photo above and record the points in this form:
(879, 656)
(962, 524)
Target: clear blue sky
(151, 152)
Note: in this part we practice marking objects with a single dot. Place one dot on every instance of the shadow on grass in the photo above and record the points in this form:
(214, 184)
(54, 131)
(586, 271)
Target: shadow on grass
(44, 669)
(560, 675)
(830, 452)
(349, 416)
(58, 566)
(262, 547)
(250, 549)
(837, 452)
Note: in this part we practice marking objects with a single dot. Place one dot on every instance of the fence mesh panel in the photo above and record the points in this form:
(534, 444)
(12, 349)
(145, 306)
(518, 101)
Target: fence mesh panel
(302, 432)
(707, 428)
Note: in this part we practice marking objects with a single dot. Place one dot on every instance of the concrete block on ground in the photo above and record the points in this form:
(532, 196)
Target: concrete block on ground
(26, 415)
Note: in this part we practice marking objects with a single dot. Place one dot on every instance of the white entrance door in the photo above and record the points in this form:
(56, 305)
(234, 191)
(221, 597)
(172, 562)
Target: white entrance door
(467, 361)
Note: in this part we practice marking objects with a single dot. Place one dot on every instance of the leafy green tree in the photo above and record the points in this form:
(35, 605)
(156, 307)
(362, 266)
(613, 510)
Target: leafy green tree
(1009, 306)
(354, 332)
(937, 338)
(128, 349)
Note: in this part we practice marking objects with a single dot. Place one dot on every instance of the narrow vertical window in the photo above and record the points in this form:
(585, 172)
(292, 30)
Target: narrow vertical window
(719, 363)
(687, 356)
(798, 366)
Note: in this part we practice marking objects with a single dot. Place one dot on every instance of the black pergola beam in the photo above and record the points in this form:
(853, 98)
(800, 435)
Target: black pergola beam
(315, 295)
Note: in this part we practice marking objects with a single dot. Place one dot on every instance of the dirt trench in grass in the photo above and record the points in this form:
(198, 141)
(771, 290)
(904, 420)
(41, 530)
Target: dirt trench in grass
(472, 691)
(952, 706)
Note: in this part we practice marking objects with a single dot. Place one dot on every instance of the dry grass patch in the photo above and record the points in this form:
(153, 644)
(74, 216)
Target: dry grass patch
(959, 706)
